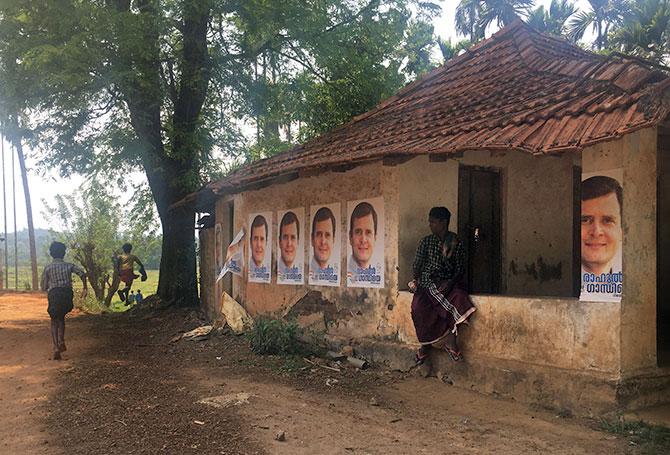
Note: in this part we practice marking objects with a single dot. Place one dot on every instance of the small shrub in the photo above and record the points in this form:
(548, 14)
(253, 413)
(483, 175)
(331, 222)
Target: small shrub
(653, 439)
(274, 336)
(89, 304)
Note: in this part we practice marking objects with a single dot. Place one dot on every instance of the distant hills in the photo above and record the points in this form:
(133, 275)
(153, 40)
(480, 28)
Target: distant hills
(42, 240)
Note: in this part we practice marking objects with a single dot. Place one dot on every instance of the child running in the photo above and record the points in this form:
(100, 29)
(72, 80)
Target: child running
(126, 270)
(57, 281)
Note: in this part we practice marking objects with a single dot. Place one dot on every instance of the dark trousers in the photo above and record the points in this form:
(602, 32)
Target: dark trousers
(60, 304)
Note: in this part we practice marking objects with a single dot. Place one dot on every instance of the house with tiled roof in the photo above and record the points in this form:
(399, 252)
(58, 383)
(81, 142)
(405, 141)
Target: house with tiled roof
(503, 135)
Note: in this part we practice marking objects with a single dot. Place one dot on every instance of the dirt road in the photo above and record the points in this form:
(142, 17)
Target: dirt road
(124, 388)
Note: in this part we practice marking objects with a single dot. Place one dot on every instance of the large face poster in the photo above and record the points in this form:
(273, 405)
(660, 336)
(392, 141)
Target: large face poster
(260, 247)
(325, 241)
(365, 258)
(601, 236)
(291, 247)
(218, 247)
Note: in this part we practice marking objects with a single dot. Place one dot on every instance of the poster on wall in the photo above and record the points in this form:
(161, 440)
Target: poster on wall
(365, 258)
(291, 247)
(601, 236)
(325, 241)
(260, 248)
(234, 257)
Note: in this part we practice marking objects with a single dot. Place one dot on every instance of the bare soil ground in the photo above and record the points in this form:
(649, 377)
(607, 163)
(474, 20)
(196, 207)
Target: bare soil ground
(123, 387)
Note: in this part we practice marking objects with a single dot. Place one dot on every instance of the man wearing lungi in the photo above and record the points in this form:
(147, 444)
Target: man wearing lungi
(440, 301)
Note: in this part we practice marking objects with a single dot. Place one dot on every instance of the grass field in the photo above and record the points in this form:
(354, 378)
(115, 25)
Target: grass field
(25, 284)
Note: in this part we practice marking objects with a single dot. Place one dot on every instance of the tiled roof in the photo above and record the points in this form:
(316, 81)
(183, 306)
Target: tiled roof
(518, 89)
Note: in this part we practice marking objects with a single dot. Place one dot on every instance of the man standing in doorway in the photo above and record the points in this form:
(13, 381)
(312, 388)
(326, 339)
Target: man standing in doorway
(440, 303)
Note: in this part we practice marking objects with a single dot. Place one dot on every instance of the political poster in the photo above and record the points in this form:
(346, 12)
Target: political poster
(234, 257)
(601, 236)
(260, 247)
(325, 241)
(291, 246)
(365, 258)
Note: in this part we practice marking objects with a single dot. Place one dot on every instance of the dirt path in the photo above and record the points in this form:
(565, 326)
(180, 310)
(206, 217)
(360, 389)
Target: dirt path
(124, 388)
(26, 374)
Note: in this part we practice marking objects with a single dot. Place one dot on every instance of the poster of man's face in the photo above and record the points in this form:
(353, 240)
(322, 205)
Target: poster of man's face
(324, 265)
(260, 249)
(365, 264)
(601, 236)
(291, 247)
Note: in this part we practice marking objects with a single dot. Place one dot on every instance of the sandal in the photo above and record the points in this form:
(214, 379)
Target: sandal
(420, 358)
(455, 355)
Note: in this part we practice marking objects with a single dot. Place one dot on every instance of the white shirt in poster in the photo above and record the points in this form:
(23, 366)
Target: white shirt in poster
(601, 236)
(291, 246)
(365, 226)
(260, 248)
(325, 243)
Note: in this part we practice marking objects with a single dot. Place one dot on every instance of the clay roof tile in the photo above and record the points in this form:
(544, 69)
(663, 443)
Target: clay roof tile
(518, 89)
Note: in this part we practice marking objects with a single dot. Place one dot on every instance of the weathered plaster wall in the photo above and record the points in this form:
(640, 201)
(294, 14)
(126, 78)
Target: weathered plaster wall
(351, 312)
(562, 333)
(537, 221)
(553, 339)
(424, 185)
(537, 206)
(636, 154)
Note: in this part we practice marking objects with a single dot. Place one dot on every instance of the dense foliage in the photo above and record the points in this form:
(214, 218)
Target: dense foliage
(184, 90)
(104, 87)
(637, 27)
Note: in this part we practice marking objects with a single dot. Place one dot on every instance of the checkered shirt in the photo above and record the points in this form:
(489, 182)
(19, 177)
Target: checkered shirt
(434, 264)
(58, 274)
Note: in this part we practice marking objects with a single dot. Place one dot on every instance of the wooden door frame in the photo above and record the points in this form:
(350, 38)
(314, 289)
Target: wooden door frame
(464, 213)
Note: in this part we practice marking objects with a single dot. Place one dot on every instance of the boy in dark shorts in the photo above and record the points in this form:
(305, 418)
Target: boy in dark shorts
(57, 281)
(125, 267)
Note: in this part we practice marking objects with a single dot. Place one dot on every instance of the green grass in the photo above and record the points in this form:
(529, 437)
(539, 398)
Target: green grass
(25, 277)
(25, 284)
(275, 337)
(148, 287)
(652, 439)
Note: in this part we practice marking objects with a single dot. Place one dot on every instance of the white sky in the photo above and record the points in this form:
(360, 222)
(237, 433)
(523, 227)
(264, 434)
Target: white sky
(47, 187)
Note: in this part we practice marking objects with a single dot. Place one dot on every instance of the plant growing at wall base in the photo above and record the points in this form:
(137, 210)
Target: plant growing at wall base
(276, 337)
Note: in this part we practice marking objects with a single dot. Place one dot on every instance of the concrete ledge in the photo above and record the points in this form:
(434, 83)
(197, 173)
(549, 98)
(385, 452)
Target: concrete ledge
(645, 389)
(575, 392)
(395, 356)
(569, 391)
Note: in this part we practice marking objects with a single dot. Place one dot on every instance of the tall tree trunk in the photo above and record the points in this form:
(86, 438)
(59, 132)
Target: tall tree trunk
(171, 175)
(29, 212)
(177, 281)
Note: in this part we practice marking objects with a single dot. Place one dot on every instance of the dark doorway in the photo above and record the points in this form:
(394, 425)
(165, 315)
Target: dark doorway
(663, 251)
(479, 227)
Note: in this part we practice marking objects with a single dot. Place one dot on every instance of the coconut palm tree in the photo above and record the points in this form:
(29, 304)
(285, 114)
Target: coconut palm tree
(646, 31)
(467, 18)
(554, 20)
(450, 50)
(503, 12)
(602, 17)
